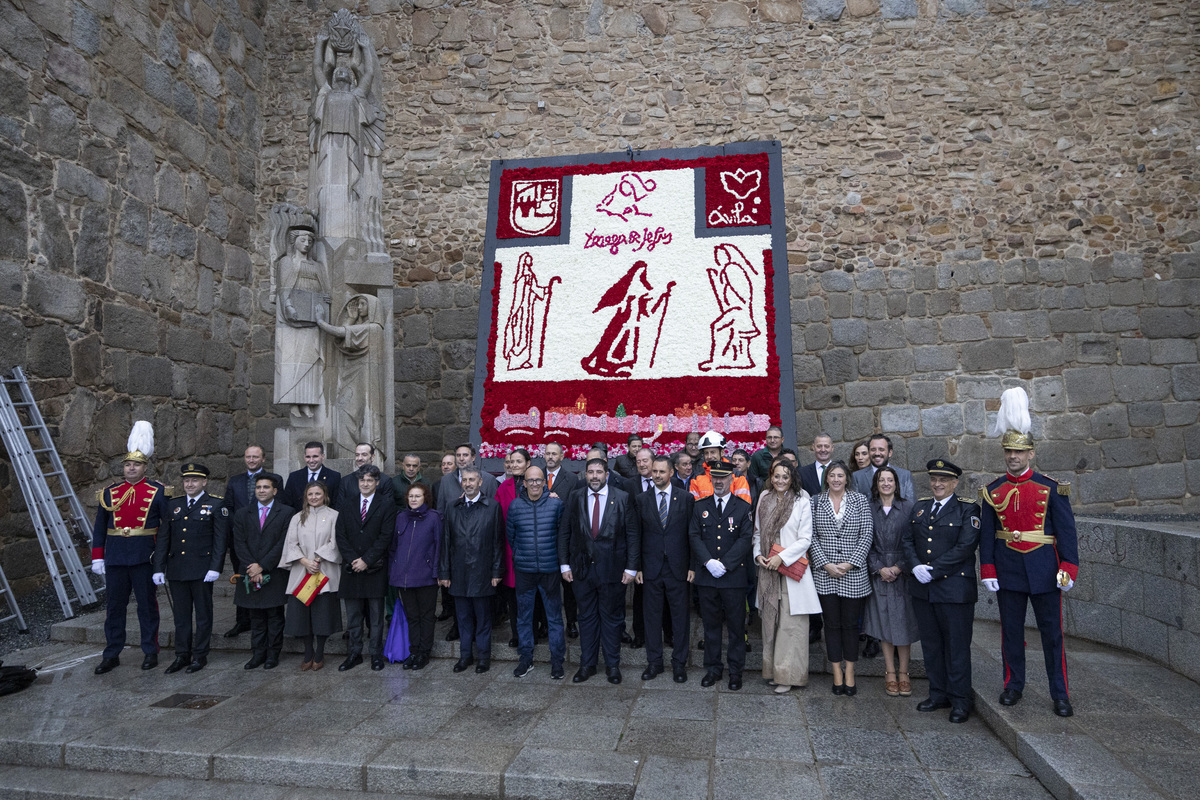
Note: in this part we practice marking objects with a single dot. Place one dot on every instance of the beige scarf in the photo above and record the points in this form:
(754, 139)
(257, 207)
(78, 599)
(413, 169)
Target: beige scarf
(774, 509)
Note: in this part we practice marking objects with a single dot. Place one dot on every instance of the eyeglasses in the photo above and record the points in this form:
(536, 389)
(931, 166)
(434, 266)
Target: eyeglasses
(535, 481)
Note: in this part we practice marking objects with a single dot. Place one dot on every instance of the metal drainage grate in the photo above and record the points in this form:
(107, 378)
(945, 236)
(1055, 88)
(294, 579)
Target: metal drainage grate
(197, 702)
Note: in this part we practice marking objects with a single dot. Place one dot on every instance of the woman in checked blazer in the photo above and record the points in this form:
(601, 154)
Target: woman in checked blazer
(842, 533)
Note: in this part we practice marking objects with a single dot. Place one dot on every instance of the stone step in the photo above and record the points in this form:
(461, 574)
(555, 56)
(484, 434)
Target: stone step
(89, 628)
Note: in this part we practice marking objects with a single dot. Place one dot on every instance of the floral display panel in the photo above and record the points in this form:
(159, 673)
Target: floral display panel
(635, 292)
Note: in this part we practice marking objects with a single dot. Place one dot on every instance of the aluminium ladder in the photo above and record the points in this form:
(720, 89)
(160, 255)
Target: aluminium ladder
(14, 610)
(36, 466)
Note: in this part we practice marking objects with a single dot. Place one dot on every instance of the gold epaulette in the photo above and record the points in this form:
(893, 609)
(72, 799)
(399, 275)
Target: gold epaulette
(1064, 488)
(216, 497)
(169, 490)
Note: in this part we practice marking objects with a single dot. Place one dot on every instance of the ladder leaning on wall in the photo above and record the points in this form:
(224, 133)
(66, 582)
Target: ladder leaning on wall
(37, 465)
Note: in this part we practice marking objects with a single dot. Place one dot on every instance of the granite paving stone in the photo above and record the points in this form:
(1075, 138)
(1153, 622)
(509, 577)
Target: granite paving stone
(517, 697)
(851, 783)
(406, 721)
(492, 725)
(669, 705)
(170, 751)
(993, 786)
(594, 701)
(737, 780)
(1152, 734)
(858, 746)
(666, 778)
(1176, 774)
(37, 740)
(439, 768)
(60, 784)
(736, 739)
(553, 774)
(577, 732)
(963, 752)
(825, 710)
(770, 709)
(184, 789)
(1061, 761)
(668, 737)
(336, 716)
(298, 758)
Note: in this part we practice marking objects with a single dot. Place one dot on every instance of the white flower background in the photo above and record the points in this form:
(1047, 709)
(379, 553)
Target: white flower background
(573, 330)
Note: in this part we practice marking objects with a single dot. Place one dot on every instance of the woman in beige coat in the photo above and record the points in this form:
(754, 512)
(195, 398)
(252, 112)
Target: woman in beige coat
(785, 518)
(311, 548)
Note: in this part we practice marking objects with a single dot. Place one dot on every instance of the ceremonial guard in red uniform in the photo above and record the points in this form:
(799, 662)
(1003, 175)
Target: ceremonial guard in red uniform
(123, 541)
(1028, 553)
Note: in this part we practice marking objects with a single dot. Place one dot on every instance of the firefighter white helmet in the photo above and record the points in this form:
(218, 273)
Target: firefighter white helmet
(711, 439)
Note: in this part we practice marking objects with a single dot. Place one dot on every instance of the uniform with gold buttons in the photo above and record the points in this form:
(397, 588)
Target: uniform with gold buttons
(190, 548)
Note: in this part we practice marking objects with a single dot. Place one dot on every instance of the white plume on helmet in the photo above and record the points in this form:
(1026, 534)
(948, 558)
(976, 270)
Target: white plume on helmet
(1014, 413)
(141, 439)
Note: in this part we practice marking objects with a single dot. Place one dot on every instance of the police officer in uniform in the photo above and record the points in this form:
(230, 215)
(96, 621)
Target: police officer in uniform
(1028, 553)
(189, 555)
(939, 548)
(123, 548)
(721, 533)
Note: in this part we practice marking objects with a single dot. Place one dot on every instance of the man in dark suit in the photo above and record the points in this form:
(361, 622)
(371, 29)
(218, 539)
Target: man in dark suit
(450, 487)
(880, 449)
(364, 454)
(314, 470)
(562, 483)
(239, 493)
(812, 476)
(189, 555)
(683, 463)
(939, 550)
(661, 518)
(365, 525)
(721, 532)
(598, 555)
(635, 485)
(641, 480)
(259, 531)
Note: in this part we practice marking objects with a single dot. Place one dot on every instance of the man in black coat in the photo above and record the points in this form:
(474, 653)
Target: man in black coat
(239, 493)
(939, 550)
(661, 518)
(189, 555)
(259, 531)
(721, 532)
(364, 454)
(450, 487)
(365, 525)
(598, 555)
(314, 470)
(471, 565)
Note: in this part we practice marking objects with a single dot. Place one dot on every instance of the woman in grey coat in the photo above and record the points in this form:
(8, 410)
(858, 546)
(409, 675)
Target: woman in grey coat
(889, 616)
(841, 522)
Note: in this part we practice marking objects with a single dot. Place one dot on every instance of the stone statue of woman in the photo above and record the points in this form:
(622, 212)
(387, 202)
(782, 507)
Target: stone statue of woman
(358, 413)
(301, 293)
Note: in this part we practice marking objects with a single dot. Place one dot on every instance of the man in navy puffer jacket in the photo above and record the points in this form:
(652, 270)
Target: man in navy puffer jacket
(532, 527)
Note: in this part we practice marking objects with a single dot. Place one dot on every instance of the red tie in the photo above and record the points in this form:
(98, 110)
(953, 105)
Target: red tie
(595, 514)
(364, 510)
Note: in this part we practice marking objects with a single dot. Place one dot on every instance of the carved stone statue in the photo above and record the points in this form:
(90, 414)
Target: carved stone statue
(358, 408)
(301, 291)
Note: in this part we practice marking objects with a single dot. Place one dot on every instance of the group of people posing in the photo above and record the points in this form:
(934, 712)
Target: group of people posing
(754, 533)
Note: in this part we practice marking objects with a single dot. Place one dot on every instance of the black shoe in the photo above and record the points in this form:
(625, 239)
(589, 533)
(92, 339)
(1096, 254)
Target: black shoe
(150, 661)
(377, 663)
(197, 665)
(237, 630)
(107, 665)
(1063, 708)
(421, 663)
(735, 683)
(958, 715)
(272, 662)
(179, 663)
(626, 638)
(408, 662)
(850, 691)
(710, 678)
(350, 663)
(572, 631)
(614, 675)
(255, 662)
(583, 674)
(462, 664)
(680, 674)
(452, 634)
(749, 647)
(524, 667)
(557, 673)
(638, 642)
(929, 704)
(652, 672)
(514, 642)
(483, 666)
(839, 689)
(1010, 697)
(700, 645)
(445, 615)
(871, 649)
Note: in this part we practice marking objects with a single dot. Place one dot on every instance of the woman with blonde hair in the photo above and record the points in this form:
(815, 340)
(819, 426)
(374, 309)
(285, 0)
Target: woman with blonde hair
(784, 518)
(311, 550)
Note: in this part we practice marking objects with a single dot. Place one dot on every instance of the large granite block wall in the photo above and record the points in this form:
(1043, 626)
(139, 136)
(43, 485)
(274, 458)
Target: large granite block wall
(129, 132)
(980, 193)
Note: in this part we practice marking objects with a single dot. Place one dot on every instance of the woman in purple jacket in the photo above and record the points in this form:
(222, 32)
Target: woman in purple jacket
(412, 569)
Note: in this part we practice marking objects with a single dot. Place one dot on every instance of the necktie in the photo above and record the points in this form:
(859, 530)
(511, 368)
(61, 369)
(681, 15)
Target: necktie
(662, 508)
(595, 514)
(262, 516)
(720, 506)
(191, 502)
(550, 482)
(937, 507)
(645, 484)
(312, 476)
(250, 484)
(364, 509)
(820, 474)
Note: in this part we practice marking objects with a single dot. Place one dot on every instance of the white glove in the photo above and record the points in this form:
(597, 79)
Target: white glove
(98, 566)
(922, 573)
(992, 584)
(1067, 588)
(159, 578)
(715, 567)
(211, 576)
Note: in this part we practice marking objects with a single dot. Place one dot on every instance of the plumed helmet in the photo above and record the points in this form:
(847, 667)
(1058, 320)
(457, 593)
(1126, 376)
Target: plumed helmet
(1013, 424)
(141, 442)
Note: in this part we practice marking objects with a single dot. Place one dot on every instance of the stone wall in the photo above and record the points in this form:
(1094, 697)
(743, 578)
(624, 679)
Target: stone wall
(1138, 588)
(128, 135)
(980, 193)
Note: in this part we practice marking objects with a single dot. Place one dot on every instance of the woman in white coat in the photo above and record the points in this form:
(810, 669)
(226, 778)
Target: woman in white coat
(784, 518)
